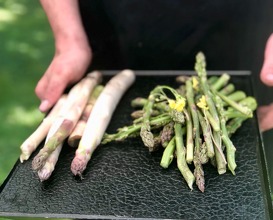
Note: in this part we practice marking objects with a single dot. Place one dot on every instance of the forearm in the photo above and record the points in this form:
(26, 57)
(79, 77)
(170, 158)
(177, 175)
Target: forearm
(65, 21)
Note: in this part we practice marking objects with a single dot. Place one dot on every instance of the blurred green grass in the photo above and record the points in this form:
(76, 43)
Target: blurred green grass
(26, 50)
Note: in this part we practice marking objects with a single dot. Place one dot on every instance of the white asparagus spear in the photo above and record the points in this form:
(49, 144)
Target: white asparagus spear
(76, 134)
(33, 141)
(100, 118)
(68, 116)
(50, 164)
(45, 172)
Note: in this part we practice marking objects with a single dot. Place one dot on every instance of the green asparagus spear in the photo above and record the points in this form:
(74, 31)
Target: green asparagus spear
(168, 154)
(230, 148)
(133, 130)
(181, 156)
(207, 134)
(194, 118)
(235, 123)
(221, 82)
(200, 68)
(228, 89)
(189, 140)
(167, 134)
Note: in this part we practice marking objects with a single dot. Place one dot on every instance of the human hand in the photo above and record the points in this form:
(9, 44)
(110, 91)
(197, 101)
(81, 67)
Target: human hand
(67, 67)
(265, 116)
(265, 113)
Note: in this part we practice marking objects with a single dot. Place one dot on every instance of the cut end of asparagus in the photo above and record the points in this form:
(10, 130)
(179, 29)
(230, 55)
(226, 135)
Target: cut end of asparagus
(27, 149)
(165, 162)
(74, 141)
(221, 171)
(24, 157)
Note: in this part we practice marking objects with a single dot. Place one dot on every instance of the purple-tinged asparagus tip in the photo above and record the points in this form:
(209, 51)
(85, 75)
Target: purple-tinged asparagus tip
(78, 165)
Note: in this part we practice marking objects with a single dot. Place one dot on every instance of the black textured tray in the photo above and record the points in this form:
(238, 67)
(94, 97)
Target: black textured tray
(124, 180)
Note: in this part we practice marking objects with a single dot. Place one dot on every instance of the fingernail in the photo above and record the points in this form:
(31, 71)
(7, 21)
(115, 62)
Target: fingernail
(44, 106)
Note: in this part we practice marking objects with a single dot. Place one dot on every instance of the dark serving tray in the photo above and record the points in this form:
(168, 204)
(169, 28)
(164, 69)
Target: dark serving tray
(124, 181)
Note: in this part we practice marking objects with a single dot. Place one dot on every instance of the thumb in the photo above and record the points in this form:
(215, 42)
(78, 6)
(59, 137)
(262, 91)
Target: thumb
(267, 69)
(49, 89)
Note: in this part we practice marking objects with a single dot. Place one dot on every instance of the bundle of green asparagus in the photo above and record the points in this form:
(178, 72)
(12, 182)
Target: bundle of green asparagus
(80, 117)
(193, 122)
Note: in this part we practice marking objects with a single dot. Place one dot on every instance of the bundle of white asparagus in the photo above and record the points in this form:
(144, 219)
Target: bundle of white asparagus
(80, 118)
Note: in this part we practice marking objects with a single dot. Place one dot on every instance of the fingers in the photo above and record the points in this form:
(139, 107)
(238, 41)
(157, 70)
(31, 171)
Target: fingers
(49, 89)
(265, 116)
(267, 69)
(65, 69)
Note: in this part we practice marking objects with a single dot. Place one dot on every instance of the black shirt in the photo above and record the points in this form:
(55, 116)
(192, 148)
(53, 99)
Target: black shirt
(166, 34)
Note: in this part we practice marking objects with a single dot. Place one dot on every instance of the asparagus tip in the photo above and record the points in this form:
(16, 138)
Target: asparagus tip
(78, 165)
(38, 162)
(44, 174)
(232, 168)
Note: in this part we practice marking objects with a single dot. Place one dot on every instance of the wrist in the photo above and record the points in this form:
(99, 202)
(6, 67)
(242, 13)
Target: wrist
(70, 42)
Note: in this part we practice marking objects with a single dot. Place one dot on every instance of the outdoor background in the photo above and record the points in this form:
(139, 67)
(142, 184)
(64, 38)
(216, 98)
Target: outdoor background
(26, 50)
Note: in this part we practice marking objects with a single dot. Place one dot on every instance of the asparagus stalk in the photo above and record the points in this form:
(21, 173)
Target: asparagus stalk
(203, 153)
(33, 141)
(68, 117)
(235, 123)
(49, 164)
(237, 96)
(138, 114)
(219, 155)
(199, 172)
(145, 132)
(243, 109)
(76, 134)
(138, 102)
(212, 79)
(230, 148)
(228, 89)
(231, 113)
(200, 68)
(207, 134)
(45, 172)
(193, 154)
(100, 118)
(181, 156)
(220, 82)
(189, 138)
(195, 120)
(168, 154)
(214, 123)
(181, 79)
(134, 129)
(167, 134)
